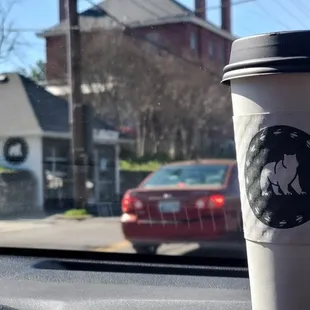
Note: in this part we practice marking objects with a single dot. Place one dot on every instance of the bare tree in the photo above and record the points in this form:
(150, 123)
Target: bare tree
(198, 106)
(9, 37)
(174, 106)
(131, 80)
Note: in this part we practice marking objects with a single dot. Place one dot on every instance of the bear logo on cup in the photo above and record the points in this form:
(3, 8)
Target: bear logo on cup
(280, 175)
(277, 170)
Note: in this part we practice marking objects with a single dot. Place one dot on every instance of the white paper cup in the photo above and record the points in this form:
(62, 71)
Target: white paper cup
(270, 85)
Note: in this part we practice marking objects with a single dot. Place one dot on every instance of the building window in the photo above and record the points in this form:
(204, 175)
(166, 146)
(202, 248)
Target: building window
(153, 37)
(193, 41)
(211, 49)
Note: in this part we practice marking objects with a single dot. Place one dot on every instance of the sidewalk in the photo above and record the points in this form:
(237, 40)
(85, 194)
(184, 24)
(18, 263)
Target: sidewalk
(12, 226)
(43, 221)
(38, 215)
(87, 234)
(22, 222)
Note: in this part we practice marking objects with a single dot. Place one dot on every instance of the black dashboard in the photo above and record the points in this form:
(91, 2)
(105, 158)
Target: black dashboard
(43, 279)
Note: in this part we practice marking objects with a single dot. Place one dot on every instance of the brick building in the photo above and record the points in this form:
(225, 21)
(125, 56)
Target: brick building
(163, 21)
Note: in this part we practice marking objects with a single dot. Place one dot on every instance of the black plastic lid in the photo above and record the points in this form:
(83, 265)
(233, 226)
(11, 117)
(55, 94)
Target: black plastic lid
(271, 53)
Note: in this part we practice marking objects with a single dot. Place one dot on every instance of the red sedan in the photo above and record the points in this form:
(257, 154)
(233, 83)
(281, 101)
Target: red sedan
(193, 201)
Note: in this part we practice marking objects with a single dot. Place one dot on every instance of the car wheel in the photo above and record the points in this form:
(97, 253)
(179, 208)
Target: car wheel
(145, 249)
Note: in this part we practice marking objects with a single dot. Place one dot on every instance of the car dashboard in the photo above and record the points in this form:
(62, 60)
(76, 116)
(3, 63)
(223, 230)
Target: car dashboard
(39, 280)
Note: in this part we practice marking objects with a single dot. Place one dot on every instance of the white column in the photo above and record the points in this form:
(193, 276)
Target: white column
(38, 169)
(53, 161)
(96, 176)
(117, 170)
(35, 164)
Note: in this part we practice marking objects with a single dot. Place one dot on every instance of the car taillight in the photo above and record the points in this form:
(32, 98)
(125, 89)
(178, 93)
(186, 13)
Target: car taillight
(216, 201)
(130, 203)
(212, 202)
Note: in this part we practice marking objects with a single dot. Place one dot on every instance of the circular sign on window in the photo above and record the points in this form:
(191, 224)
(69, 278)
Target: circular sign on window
(15, 150)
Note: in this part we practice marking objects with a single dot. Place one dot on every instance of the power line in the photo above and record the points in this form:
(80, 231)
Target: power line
(26, 29)
(305, 4)
(216, 7)
(22, 29)
(128, 29)
(141, 6)
(291, 14)
(152, 3)
(37, 30)
(273, 17)
(298, 7)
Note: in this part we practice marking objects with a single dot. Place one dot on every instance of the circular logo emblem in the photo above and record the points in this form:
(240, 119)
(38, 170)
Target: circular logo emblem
(277, 174)
(15, 150)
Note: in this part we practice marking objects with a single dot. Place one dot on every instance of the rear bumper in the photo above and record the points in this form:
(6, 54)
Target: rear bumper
(199, 231)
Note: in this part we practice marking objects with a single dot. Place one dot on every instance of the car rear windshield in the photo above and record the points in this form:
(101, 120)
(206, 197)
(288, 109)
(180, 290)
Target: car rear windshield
(192, 175)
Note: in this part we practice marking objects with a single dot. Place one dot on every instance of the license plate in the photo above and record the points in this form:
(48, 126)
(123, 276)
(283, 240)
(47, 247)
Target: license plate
(169, 206)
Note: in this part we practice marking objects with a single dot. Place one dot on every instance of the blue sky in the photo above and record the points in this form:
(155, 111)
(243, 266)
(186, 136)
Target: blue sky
(252, 17)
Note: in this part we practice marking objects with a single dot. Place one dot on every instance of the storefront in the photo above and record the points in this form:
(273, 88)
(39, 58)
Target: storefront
(104, 177)
(34, 136)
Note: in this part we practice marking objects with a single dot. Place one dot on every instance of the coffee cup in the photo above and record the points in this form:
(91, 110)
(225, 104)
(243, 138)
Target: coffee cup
(269, 76)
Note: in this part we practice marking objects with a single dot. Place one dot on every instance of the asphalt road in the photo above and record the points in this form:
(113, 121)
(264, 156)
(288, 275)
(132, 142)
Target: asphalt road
(95, 234)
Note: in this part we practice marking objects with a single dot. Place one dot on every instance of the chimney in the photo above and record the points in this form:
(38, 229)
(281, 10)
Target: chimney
(226, 15)
(62, 10)
(200, 9)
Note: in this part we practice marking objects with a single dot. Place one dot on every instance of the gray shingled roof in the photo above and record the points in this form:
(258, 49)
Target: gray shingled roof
(135, 13)
(52, 112)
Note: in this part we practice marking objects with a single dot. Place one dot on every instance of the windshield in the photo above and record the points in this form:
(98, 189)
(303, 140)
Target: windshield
(116, 134)
(191, 175)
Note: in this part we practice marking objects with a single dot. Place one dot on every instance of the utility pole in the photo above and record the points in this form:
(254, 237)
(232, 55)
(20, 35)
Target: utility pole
(76, 116)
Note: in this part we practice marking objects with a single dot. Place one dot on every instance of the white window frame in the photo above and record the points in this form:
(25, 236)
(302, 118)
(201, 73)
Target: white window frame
(211, 49)
(193, 40)
(153, 36)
